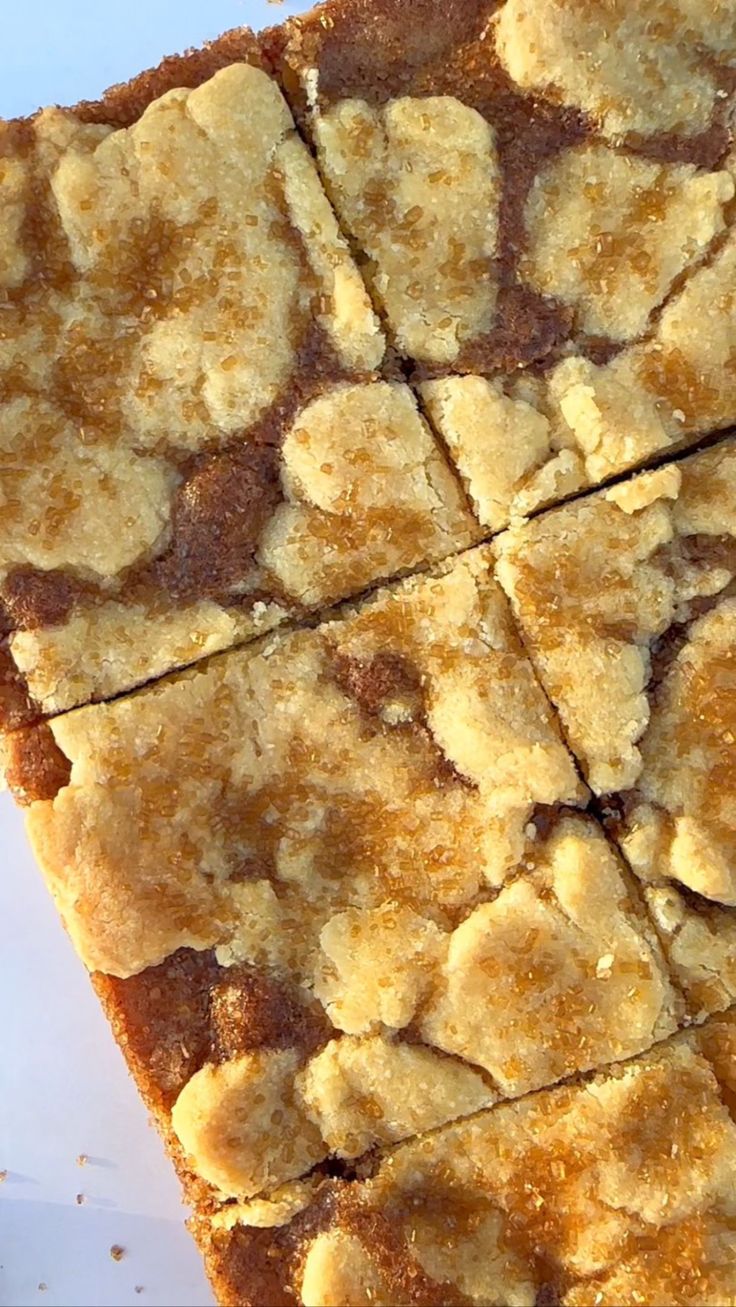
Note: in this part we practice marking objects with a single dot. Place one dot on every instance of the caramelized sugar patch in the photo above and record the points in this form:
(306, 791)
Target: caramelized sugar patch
(218, 518)
(685, 386)
(376, 682)
(367, 56)
(391, 1253)
(122, 105)
(174, 1018)
(33, 598)
(388, 689)
(17, 706)
(35, 767)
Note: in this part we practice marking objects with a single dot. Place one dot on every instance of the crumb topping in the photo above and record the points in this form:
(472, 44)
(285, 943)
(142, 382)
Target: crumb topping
(633, 588)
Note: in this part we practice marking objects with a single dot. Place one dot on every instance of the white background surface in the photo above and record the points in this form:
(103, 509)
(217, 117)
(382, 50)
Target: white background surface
(64, 1090)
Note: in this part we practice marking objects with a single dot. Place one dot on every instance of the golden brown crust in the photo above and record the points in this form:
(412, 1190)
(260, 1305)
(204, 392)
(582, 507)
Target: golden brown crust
(408, 744)
(522, 198)
(182, 316)
(589, 1193)
(382, 102)
(633, 588)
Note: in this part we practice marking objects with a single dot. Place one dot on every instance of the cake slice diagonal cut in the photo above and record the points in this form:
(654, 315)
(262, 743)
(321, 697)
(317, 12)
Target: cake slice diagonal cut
(331, 888)
(517, 202)
(615, 1191)
(196, 436)
(626, 602)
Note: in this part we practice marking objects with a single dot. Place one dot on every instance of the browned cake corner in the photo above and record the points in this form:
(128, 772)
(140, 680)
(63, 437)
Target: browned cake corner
(199, 436)
(541, 187)
(626, 601)
(542, 1201)
(189, 1011)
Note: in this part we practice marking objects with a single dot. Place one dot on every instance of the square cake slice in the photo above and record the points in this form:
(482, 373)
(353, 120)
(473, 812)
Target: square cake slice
(332, 889)
(196, 436)
(613, 1192)
(533, 184)
(627, 602)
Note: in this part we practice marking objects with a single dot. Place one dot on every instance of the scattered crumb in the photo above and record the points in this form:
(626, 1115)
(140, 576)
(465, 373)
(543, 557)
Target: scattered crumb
(79, 1199)
(82, 1160)
(117, 1253)
(3, 1176)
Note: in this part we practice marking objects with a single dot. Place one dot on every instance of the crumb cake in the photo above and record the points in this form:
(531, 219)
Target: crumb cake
(633, 589)
(536, 185)
(539, 1201)
(197, 435)
(357, 843)
(415, 919)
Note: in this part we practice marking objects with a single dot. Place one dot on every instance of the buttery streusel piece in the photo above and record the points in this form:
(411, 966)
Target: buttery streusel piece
(531, 183)
(195, 439)
(612, 1192)
(329, 880)
(627, 605)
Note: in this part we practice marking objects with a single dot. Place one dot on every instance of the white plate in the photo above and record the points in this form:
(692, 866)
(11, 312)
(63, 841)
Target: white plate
(64, 1090)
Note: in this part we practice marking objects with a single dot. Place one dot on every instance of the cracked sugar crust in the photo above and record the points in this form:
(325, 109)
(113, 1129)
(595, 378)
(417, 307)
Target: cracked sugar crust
(659, 69)
(587, 255)
(499, 212)
(280, 1019)
(417, 183)
(611, 577)
(407, 744)
(412, 725)
(208, 1040)
(511, 455)
(199, 374)
(715, 1039)
(569, 945)
(698, 935)
(584, 1193)
(311, 533)
(358, 491)
(520, 443)
(662, 393)
(609, 233)
(633, 590)
(682, 820)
